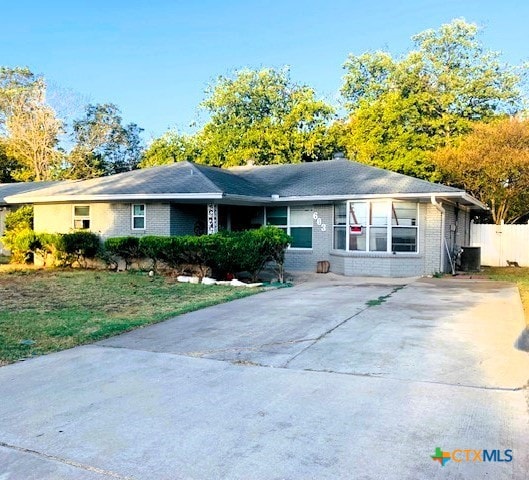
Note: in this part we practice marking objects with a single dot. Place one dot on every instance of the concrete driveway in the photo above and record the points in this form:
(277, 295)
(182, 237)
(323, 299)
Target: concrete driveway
(337, 379)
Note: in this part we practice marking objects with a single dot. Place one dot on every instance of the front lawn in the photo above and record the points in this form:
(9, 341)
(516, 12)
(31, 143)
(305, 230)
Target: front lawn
(520, 276)
(44, 311)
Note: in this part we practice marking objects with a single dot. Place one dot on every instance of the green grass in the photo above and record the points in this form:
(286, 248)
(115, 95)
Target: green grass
(380, 300)
(44, 311)
(520, 276)
(377, 301)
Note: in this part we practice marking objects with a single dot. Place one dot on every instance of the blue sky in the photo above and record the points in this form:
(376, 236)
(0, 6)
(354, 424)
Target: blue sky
(155, 58)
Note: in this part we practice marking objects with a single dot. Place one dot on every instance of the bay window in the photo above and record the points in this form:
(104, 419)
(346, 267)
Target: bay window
(376, 226)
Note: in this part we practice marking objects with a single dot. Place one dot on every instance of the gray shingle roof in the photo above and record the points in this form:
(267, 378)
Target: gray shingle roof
(183, 177)
(7, 189)
(338, 177)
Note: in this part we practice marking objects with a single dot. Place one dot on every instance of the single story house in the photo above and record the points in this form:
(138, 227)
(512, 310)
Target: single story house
(9, 189)
(363, 220)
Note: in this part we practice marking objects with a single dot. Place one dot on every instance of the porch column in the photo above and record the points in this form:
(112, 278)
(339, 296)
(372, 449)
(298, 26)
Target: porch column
(213, 218)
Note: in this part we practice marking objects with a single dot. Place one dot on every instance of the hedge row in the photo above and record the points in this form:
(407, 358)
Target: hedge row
(226, 252)
(223, 253)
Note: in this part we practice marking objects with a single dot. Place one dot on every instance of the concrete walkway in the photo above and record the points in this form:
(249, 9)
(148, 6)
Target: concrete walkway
(337, 378)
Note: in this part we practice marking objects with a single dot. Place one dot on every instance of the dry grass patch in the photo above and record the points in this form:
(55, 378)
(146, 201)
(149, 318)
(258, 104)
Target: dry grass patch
(43, 311)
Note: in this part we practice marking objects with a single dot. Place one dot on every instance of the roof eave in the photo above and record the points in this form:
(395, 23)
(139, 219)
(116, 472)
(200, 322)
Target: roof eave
(471, 202)
(65, 198)
(241, 199)
(457, 194)
(247, 199)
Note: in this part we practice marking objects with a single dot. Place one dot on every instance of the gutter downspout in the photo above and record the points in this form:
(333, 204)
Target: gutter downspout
(443, 215)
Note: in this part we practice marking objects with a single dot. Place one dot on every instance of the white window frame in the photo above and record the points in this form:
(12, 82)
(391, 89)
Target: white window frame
(81, 217)
(144, 216)
(416, 226)
(288, 226)
(345, 226)
(389, 226)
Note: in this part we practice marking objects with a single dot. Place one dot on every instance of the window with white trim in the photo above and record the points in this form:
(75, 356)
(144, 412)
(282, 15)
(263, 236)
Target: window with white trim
(404, 227)
(296, 221)
(340, 225)
(376, 226)
(138, 216)
(81, 217)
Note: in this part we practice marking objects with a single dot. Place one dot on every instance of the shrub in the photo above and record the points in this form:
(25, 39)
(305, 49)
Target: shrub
(128, 248)
(22, 243)
(274, 242)
(225, 256)
(19, 237)
(255, 248)
(47, 246)
(77, 247)
(20, 219)
(25, 244)
(199, 251)
(151, 247)
(171, 251)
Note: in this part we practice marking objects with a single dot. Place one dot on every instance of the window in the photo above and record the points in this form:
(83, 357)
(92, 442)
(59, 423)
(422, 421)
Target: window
(301, 227)
(81, 217)
(138, 217)
(357, 225)
(404, 227)
(296, 221)
(376, 226)
(340, 225)
(277, 216)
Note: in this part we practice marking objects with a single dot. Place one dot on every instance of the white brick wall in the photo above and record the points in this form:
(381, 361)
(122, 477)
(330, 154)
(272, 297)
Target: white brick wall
(306, 260)
(425, 262)
(431, 244)
(114, 219)
(106, 219)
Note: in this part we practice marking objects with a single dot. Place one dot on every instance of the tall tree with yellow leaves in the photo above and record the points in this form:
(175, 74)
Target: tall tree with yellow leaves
(492, 163)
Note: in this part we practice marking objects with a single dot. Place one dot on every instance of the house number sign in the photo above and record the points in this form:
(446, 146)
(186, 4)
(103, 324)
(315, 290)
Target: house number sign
(319, 222)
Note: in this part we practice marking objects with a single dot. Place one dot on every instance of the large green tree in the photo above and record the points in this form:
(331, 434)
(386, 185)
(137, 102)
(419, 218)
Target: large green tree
(9, 167)
(171, 147)
(402, 108)
(255, 116)
(102, 144)
(263, 117)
